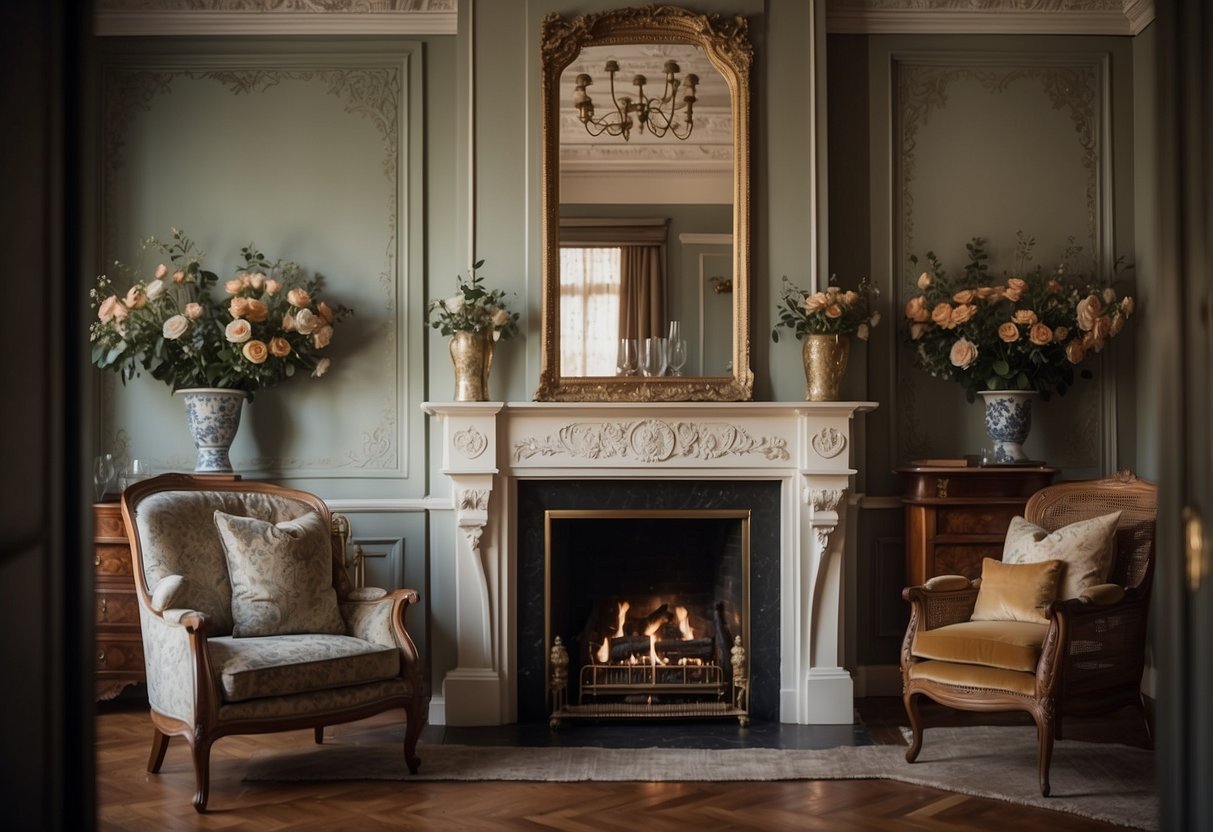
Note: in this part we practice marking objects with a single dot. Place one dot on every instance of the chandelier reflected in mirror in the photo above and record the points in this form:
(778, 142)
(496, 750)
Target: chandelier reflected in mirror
(658, 116)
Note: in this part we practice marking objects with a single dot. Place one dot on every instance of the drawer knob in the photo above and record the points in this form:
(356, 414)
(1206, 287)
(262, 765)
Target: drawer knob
(101, 657)
(97, 560)
(105, 609)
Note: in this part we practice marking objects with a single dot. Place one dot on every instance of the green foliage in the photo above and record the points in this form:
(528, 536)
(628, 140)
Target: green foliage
(473, 309)
(832, 312)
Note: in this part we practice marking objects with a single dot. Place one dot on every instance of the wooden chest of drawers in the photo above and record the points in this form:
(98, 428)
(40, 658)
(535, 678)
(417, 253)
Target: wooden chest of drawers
(119, 643)
(957, 515)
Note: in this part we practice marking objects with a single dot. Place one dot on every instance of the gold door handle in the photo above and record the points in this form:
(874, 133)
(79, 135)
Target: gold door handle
(1194, 547)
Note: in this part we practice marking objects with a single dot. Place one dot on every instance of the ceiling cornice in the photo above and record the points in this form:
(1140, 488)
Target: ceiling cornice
(272, 17)
(1039, 17)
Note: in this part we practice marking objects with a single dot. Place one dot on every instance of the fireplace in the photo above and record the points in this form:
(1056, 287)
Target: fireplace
(509, 464)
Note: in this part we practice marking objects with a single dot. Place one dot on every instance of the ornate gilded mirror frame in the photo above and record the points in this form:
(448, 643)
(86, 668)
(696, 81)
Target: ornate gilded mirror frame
(726, 43)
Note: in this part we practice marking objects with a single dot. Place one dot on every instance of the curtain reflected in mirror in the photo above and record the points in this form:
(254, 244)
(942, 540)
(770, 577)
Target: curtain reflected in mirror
(589, 310)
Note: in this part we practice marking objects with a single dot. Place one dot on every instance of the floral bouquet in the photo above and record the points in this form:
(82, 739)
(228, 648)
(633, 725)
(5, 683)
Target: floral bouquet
(832, 312)
(1024, 333)
(263, 329)
(473, 309)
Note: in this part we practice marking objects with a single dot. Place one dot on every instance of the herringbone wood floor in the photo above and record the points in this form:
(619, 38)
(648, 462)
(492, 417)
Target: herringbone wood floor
(131, 799)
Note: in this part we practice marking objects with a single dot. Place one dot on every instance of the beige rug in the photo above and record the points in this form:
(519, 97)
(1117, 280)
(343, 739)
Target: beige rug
(1108, 782)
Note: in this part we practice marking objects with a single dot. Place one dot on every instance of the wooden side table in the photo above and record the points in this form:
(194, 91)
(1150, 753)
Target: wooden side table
(957, 515)
(119, 641)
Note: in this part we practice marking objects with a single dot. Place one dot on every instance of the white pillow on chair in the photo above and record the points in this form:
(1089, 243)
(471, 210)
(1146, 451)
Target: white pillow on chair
(1087, 548)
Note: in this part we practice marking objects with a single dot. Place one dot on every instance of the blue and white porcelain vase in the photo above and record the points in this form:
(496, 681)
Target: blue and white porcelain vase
(1008, 421)
(213, 417)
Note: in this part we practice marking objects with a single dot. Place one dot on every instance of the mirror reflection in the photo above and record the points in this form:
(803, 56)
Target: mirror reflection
(646, 180)
(645, 207)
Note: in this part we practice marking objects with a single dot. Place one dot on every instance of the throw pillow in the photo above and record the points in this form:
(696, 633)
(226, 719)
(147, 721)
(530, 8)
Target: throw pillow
(282, 575)
(1016, 591)
(1087, 548)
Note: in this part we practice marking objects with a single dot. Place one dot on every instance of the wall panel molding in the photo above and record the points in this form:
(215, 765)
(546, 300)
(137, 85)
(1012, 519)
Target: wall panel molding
(1034, 17)
(274, 17)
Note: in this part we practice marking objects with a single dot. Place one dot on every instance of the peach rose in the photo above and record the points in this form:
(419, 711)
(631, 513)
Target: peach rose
(233, 286)
(193, 311)
(1024, 317)
(179, 276)
(105, 311)
(1017, 283)
(924, 280)
(175, 327)
(815, 302)
(916, 331)
(256, 280)
(323, 337)
(861, 332)
(1061, 333)
(941, 314)
(1126, 307)
(961, 313)
(1074, 352)
(307, 321)
(155, 289)
(238, 308)
(964, 296)
(1118, 323)
(257, 311)
(280, 347)
(964, 353)
(850, 297)
(322, 367)
(875, 319)
(1088, 310)
(1102, 331)
(1109, 295)
(1008, 332)
(298, 298)
(136, 298)
(238, 331)
(1011, 293)
(833, 311)
(984, 292)
(325, 311)
(1040, 334)
(500, 317)
(256, 351)
(916, 309)
(161, 271)
(120, 311)
(288, 322)
(272, 287)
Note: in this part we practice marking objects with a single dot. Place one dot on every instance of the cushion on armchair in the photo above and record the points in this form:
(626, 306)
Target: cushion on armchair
(1087, 548)
(1011, 645)
(1016, 591)
(255, 668)
(281, 574)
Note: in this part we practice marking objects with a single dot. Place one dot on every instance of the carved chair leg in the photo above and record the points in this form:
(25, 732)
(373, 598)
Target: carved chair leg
(202, 772)
(159, 747)
(412, 732)
(911, 705)
(319, 732)
(1044, 729)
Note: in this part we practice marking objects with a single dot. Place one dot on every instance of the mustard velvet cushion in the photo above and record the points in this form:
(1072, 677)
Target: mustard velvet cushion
(1016, 591)
(281, 574)
(1087, 548)
(1011, 645)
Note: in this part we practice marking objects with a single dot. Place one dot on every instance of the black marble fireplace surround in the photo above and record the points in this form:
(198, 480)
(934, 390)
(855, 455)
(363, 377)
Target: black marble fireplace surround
(760, 497)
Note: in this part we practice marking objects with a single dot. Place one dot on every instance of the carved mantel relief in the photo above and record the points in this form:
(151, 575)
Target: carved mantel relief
(651, 440)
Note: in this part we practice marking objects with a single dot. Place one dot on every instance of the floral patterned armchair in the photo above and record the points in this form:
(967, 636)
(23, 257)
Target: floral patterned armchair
(206, 677)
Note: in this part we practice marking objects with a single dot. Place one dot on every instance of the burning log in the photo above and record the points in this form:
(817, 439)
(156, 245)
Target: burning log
(673, 649)
(653, 621)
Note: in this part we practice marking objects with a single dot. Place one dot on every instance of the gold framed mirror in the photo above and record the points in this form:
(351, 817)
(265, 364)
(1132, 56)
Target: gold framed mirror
(646, 209)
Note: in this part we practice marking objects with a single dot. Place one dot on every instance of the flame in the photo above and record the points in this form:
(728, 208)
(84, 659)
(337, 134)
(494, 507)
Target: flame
(684, 629)
(624, 606)
(653, 658)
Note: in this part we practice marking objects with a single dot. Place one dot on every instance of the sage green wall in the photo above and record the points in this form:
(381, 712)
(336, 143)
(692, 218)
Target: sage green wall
(1141, 415)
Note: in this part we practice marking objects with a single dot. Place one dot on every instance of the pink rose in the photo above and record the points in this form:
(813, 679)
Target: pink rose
(323, 337)
(136, 298)
(105, 312)
(238, 331)
(1009, 332)
(280, 347)
(916, 309)
(193, 311)
(322, 367)
(175, 327)
(299, 298)
(161, 271)
(256, 351)
(257, 311)
(1040, 334)
(964, 353)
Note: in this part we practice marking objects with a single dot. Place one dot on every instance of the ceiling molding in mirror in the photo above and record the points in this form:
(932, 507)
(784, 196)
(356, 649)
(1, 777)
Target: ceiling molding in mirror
(695, 177)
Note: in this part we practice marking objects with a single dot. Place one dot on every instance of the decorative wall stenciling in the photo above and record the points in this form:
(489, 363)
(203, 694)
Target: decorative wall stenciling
(246, 137)
(1071, 17)
(651, 440)
(828, 442)
(470, 442)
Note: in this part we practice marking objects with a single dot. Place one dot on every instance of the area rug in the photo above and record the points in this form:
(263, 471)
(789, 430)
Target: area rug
(1104, 781)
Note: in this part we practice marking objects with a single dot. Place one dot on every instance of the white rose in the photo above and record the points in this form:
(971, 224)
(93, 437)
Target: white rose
(501, 317)
(322, 367)
(307, 321)
(238, 331)
(924, 280)
(155, 289)
(964, 353)
(453, 304)
(175, 327)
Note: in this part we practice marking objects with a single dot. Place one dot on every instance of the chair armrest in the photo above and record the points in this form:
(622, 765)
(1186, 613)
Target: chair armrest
(931, 608)
(381, 621)
(179, 681)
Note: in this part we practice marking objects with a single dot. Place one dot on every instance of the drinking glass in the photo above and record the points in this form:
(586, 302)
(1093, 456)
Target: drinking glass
(678, 355)
(132, 472)
(103, 474)
(654, 357)
(625, 362)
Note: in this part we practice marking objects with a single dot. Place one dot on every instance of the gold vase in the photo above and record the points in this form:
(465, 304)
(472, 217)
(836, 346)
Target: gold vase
(825, 360)
(472, 357)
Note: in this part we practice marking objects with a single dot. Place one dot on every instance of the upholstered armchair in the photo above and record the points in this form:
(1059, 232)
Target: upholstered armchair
(1048, 633)
(250, 623)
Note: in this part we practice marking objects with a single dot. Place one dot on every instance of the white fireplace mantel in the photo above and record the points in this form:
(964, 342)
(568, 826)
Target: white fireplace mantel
(807, 446)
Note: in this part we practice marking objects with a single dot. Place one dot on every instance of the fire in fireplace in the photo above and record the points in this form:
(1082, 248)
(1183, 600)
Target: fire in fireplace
(648, 610)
